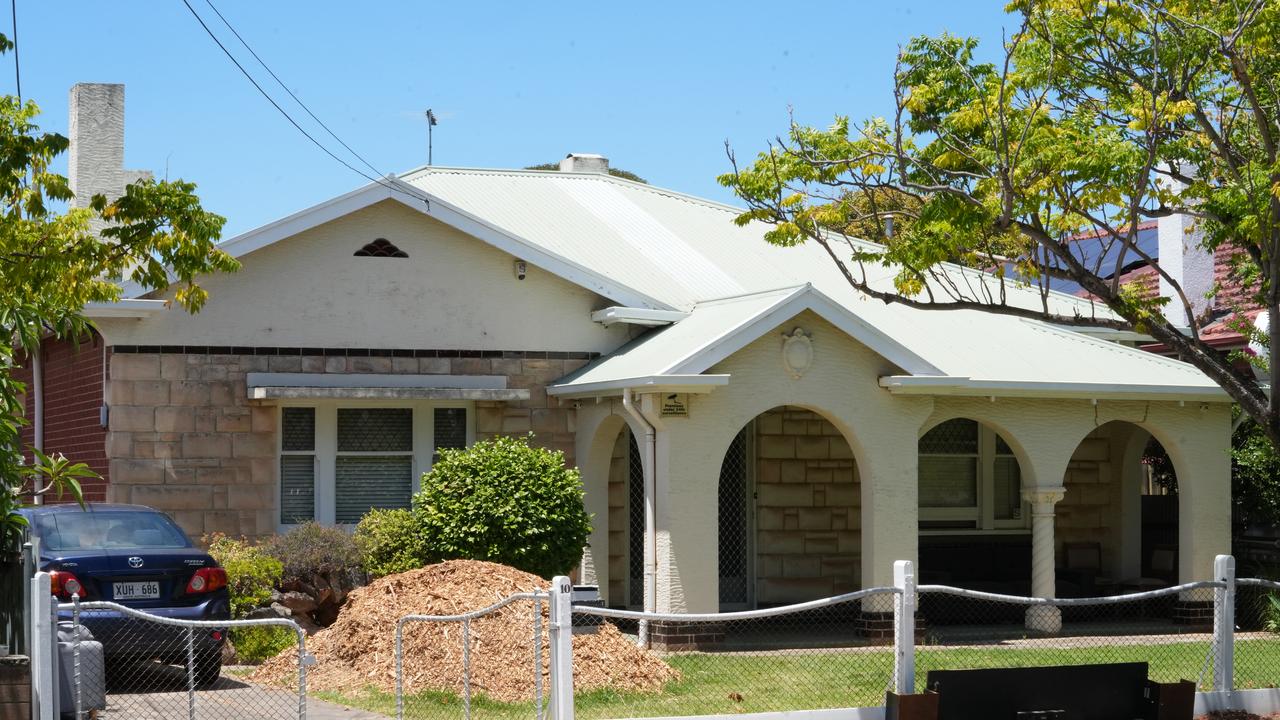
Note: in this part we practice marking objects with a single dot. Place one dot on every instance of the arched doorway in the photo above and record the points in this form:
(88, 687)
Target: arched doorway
(789, 512)
(973, 523)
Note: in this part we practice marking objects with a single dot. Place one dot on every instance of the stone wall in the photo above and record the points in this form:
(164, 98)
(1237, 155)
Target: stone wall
(619, 520)
(808, 509)
(184, 438)
(1086, 513)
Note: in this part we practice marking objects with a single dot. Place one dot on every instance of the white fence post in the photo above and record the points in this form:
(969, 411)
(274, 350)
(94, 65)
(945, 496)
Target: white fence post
(561, 648)
(904, 628)
(1224, 622)
(43, 649)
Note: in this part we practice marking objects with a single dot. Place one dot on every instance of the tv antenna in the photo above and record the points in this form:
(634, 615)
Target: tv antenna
(431, 123)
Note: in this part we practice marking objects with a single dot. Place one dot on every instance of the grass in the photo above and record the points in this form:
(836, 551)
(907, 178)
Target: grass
(726, 683)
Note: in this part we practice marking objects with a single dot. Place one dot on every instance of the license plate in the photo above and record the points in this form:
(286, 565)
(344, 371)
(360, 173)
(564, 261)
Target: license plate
(135, 590)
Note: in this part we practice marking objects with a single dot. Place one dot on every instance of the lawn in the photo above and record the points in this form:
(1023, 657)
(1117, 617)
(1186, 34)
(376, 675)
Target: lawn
(723, 683)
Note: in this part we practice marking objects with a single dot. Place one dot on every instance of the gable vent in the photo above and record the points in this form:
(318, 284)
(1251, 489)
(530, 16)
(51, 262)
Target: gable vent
(381, 248)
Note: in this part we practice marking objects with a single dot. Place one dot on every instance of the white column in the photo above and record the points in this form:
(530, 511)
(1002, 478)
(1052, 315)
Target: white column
(1043, 561)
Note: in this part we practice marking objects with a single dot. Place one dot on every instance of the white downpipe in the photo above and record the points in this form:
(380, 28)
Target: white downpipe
(37, 395)
(650, 457)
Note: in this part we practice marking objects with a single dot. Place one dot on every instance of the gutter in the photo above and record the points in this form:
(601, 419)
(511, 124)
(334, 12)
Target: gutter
(969, 387)
(649, 448)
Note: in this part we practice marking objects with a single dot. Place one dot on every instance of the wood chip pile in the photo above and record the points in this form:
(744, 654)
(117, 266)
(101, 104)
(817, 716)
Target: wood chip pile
(358, 650)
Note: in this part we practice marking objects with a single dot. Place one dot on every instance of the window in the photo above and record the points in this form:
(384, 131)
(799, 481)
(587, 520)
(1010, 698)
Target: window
(969, 479)
(337, 463)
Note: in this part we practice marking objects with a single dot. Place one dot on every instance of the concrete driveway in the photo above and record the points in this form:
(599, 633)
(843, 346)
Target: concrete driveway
(151, 691)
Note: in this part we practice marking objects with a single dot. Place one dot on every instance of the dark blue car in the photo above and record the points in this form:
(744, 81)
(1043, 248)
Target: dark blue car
(138, 557)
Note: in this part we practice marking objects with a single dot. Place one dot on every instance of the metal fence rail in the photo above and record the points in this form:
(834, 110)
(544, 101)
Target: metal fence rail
(127, 663)
(423, 691)
(966, 628)
(828, 653)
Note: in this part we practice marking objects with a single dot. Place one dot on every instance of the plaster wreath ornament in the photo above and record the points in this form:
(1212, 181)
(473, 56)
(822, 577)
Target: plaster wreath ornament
(797, 352)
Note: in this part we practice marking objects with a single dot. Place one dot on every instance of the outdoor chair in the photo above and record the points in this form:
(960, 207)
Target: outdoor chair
(1084, 570)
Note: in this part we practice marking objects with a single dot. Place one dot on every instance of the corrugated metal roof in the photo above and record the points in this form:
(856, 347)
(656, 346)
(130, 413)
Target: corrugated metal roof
(687, 253)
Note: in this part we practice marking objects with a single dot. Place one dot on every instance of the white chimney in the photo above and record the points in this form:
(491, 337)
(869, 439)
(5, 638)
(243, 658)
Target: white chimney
(95, 158)
(1185, 259)
(584, 162)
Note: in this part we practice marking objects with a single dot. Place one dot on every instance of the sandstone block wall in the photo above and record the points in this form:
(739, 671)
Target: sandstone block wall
(808, 509)
(1087, 513)
(184, 438)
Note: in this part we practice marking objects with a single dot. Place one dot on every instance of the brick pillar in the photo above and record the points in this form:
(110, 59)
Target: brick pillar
(15, 687)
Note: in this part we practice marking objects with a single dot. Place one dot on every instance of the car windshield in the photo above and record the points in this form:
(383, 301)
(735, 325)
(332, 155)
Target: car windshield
(108, 530)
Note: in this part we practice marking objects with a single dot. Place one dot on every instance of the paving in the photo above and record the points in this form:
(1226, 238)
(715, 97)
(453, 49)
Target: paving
(159, 692)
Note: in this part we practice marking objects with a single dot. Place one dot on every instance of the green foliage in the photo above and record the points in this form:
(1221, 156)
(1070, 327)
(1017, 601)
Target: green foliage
(1255, 467)
(314, 549)
(616, 172)
(1094, 116)
(504, 501)
(251, 573)
(258, 643)
(390, 542)
(52, 263)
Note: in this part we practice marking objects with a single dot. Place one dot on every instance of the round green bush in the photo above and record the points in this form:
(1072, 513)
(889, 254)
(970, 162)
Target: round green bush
(504, 501)
(389, 542)
(251, 573)
(314, 549)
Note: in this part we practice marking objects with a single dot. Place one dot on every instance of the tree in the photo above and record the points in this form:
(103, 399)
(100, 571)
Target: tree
(52, 264)
(1095, 116)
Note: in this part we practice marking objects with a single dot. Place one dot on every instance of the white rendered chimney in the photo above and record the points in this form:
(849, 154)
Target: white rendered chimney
(1184, 259)
(95, 158)
(584, 162)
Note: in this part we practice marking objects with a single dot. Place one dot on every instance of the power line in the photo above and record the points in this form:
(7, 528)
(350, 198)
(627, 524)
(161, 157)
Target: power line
(286, 89)
(17, 70)
(289, 117)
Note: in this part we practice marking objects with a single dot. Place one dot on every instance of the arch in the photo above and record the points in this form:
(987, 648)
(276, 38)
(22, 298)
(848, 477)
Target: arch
(601, 432)
(997, 424)
(793, 470)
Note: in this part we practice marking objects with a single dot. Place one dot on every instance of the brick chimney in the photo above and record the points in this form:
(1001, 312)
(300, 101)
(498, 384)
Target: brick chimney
(95, 159)
(1184, 258)
(584, 162)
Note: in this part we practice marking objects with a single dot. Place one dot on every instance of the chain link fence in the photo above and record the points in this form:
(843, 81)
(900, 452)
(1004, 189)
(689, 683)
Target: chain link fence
(118, 662)
(1170, 629)
(1257, 638)
(490, 663)
(830, 653)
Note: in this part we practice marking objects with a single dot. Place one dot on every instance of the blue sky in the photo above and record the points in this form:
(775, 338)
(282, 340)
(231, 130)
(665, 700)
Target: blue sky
(657, 87)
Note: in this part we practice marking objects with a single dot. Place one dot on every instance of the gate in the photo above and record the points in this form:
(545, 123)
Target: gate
(118, 662)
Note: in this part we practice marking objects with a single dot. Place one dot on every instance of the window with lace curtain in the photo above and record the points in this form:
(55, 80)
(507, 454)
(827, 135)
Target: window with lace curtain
(969, 479)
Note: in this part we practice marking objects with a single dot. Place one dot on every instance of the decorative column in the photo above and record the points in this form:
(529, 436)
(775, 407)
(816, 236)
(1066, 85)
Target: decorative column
(1043, 561)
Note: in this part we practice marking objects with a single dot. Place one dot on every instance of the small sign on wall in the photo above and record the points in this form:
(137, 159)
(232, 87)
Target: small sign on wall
(675, 405)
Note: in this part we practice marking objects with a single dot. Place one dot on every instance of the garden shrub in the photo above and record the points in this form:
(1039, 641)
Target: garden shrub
(251, 573)
(504, 501)
(313, 549)
(390, 542)
(255, 644)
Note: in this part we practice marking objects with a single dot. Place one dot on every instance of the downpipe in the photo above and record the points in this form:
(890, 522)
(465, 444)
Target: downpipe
(650, 456)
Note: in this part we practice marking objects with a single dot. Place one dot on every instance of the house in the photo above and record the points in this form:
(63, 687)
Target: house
(750, 430)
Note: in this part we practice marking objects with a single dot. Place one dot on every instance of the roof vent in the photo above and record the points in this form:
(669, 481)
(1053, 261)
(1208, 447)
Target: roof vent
(584, 162)
(381, 248)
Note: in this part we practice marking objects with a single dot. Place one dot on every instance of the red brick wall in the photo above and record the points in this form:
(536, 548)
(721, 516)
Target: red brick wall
(72, 402)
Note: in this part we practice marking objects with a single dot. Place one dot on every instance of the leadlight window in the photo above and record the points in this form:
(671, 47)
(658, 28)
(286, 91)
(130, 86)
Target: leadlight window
(969, 479)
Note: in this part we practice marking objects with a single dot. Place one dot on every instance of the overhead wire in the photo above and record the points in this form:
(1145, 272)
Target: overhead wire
(282, 84)
(371, 178)
(17, 69)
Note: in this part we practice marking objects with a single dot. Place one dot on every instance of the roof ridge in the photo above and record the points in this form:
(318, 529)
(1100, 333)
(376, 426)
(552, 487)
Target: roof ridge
(423, 170)
(782, 290)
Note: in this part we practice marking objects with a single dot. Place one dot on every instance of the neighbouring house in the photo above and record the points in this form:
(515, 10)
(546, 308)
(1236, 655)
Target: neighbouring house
(790, 437)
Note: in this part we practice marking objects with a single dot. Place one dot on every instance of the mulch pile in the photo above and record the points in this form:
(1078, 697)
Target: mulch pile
(358, 650)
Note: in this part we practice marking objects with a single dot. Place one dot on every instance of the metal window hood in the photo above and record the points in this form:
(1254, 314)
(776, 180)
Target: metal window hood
(637, 316)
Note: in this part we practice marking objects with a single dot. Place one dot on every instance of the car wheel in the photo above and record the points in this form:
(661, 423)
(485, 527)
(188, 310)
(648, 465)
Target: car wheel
(208, 667)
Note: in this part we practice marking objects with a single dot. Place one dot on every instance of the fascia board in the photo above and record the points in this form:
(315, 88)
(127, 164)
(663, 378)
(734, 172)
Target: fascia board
(804, 298)
(699, 384)
(963, 386)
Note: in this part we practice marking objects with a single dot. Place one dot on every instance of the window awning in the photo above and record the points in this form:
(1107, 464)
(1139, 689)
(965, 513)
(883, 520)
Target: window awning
(352, 386)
